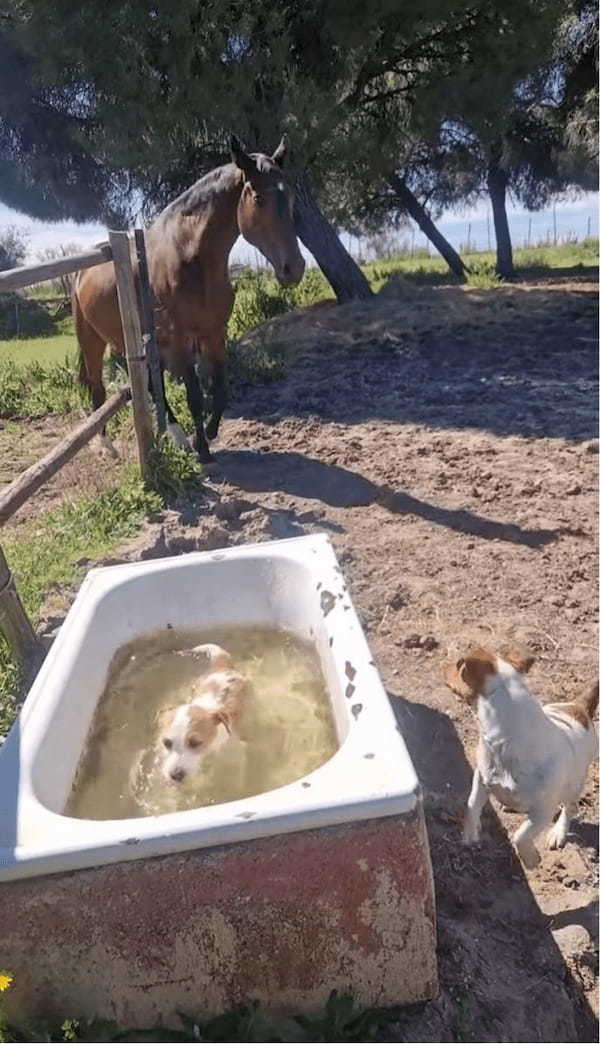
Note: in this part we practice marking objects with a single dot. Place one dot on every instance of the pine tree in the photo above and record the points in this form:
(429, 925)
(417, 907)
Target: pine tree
(147, 95)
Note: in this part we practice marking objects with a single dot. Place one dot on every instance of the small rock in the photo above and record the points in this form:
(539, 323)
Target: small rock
(230, 510)
(429, 643)
(572, 939)
(574, 490)
(590, 447)
(398, 600)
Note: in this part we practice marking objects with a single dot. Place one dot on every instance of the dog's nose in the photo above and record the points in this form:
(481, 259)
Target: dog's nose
(177, 774)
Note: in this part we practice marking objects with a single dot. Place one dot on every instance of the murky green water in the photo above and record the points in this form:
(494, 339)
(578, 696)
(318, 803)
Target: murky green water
(286, 731)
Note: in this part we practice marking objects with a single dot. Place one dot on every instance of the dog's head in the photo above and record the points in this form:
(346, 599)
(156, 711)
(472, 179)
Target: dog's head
(208, 656)
(191, 734)
(467, 677)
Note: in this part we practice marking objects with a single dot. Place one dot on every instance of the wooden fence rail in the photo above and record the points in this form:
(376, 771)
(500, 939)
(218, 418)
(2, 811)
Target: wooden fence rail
(28, 275)
(30, 480)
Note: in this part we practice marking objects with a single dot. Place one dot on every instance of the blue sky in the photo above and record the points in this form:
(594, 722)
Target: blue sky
(573, 217)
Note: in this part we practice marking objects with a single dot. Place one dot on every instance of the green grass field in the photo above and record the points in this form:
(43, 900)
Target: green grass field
(44, 350)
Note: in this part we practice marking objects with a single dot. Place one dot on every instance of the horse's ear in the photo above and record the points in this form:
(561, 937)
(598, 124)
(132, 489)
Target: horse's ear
(240, 157)
(280, 153)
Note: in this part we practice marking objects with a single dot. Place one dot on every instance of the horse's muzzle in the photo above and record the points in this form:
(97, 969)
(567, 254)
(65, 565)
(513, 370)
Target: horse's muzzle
(290, 274)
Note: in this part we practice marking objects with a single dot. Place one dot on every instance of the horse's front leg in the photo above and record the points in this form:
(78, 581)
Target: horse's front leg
(174, 429)
(214, 350)
(195, 400)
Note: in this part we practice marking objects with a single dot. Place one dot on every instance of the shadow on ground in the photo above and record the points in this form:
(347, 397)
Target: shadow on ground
(302, 476)
(498, 960)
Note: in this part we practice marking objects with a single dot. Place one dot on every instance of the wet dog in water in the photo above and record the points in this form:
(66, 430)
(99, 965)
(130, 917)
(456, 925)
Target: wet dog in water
(206, 724)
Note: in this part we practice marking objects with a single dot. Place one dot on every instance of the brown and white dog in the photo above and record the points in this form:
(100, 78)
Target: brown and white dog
(205, 725)
(532, 758)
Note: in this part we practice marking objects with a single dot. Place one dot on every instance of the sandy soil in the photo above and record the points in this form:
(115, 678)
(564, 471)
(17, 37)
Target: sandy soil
(446, 441)
(93, 470)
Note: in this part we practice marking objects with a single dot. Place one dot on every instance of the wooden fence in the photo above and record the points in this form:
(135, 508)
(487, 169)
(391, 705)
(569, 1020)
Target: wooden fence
(141, 351)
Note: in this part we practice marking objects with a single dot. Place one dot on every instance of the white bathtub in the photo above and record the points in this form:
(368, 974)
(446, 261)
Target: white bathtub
(295, 584)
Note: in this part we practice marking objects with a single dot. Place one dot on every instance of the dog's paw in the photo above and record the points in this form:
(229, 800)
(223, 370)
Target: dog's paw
(471, 832)
(557, 836)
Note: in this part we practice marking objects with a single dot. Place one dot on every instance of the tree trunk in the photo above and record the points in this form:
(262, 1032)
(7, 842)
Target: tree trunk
(497, 180)
(411, 205)
(338, 267)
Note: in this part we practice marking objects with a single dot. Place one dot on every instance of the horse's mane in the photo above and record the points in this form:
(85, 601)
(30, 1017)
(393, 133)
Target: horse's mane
(201, 194)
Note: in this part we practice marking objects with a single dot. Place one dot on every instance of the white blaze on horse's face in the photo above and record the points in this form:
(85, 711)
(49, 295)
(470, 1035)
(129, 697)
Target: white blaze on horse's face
(265, 213)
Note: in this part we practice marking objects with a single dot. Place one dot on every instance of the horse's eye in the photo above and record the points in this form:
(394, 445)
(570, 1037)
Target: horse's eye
(168, 743)
(259, 200)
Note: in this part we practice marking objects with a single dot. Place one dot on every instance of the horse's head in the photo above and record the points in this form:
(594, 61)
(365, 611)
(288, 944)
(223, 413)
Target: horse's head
(265, 211)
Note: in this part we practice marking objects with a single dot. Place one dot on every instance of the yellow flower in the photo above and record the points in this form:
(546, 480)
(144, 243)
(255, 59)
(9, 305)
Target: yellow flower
(5, 981)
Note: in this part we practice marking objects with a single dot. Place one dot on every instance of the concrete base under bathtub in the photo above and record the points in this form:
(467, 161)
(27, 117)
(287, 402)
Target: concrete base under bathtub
(282, 919)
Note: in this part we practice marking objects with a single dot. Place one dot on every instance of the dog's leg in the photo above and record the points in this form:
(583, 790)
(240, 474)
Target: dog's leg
(475, 804)
(557, 836)
(523, 838)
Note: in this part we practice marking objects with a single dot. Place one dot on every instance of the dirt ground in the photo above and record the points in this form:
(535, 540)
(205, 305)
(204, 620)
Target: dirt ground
(22, 443)
(446, 440)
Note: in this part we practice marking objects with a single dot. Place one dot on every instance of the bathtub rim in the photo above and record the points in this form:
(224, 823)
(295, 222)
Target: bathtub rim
(386, 784)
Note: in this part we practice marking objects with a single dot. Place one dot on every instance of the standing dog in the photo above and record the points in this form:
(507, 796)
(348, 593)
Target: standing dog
(205, 725)
(532, 758)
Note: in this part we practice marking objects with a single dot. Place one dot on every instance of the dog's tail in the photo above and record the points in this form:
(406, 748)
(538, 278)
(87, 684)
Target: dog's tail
(590, 701)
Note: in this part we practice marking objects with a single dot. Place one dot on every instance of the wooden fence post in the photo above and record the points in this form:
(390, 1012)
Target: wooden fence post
(15, 625)
(149, 332)
(134, 347)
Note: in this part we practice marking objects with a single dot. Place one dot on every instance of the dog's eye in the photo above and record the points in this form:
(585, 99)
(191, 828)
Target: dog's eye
(168, 743)
(193, 743)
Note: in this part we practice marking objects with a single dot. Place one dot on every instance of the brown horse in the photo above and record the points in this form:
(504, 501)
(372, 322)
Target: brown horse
(188, 247)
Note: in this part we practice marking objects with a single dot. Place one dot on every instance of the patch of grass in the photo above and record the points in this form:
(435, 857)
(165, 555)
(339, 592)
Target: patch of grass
(34, 390)
(483, 275)
(583, 254)
(432, 270)
(342, 1020)
(175, 473)
(45, 554)
(258, 297)
(313, 288)
(41, 350)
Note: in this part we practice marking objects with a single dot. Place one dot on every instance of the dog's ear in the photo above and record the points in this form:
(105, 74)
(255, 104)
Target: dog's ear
(519, 658)
(474, 668)
(222, 718)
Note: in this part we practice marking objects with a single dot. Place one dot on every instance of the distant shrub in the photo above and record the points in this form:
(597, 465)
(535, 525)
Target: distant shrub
(23, 317)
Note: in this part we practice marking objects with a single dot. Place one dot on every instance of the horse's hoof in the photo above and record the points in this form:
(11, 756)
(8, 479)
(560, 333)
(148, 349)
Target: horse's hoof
(178, 437)
(106, 448)
(203, 454)
(212, 429)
